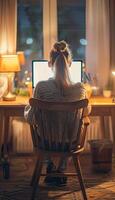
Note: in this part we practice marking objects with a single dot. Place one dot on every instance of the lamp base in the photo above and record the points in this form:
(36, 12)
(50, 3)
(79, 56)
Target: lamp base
(9, 97)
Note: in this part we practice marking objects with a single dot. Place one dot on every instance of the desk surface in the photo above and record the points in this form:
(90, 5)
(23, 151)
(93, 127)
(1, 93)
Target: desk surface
(101, 101)
(22, 101)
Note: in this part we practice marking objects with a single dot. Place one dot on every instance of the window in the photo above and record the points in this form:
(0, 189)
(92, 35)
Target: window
(30, 29)
(71, 25)
(42, 22)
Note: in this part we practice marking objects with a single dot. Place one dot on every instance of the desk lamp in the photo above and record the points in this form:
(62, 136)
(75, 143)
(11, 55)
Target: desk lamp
(113, 72)
(9, 64)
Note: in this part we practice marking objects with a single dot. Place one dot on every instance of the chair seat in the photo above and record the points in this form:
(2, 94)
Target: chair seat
(59, 147)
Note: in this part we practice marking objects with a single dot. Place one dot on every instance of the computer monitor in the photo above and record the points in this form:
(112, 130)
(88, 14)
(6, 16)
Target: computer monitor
(41, 71)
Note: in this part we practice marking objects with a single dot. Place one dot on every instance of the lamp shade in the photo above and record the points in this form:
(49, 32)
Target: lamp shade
(9, 63)
(21, 57)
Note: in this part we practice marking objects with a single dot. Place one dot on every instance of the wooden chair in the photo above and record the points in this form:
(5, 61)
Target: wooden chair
(47, 138)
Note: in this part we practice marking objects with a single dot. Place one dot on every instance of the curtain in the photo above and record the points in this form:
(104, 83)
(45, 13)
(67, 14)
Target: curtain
(8, 26)
(112, 34)
(100, 35)
(112, 40)
(98, 40)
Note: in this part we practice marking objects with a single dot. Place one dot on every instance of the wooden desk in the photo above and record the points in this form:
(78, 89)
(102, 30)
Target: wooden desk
(104, 107)
(100, 107)
(10, 109)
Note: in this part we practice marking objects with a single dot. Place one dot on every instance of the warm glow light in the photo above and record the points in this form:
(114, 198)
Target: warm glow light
(113, 72)
(9, 63)
(21, 57)
(95, 88)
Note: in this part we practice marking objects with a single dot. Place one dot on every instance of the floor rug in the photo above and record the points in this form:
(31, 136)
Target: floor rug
(99, 186)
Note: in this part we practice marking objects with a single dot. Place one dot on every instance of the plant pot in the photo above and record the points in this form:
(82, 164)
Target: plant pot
(107, 93)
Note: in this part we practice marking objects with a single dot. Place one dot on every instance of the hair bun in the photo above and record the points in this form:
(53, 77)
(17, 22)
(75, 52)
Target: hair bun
(60, 46)
(57, 46)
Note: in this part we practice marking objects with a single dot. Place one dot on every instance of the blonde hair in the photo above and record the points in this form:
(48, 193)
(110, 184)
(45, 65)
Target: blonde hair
(60, 58)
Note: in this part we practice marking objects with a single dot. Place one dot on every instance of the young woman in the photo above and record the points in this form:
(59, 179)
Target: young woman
(57, 88)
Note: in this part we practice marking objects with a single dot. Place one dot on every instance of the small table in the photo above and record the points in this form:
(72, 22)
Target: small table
(104, 107)
(10, 109)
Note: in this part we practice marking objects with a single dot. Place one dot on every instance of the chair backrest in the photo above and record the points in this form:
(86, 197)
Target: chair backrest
(58, 125)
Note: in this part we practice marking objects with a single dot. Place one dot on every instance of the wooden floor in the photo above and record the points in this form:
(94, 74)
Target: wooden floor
(99, 186)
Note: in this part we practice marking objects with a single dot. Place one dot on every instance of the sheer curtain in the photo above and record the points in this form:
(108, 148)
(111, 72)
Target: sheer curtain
(8, 27)
(112, 34)
(99, 50)
(98, 39)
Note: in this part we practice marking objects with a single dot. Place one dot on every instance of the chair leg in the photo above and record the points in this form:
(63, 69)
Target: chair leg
(80, 177)
(35, 171)
(36, 177)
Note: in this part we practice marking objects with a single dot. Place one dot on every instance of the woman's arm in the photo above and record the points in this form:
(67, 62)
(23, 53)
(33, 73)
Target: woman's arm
(87, 110)
(29, 112)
